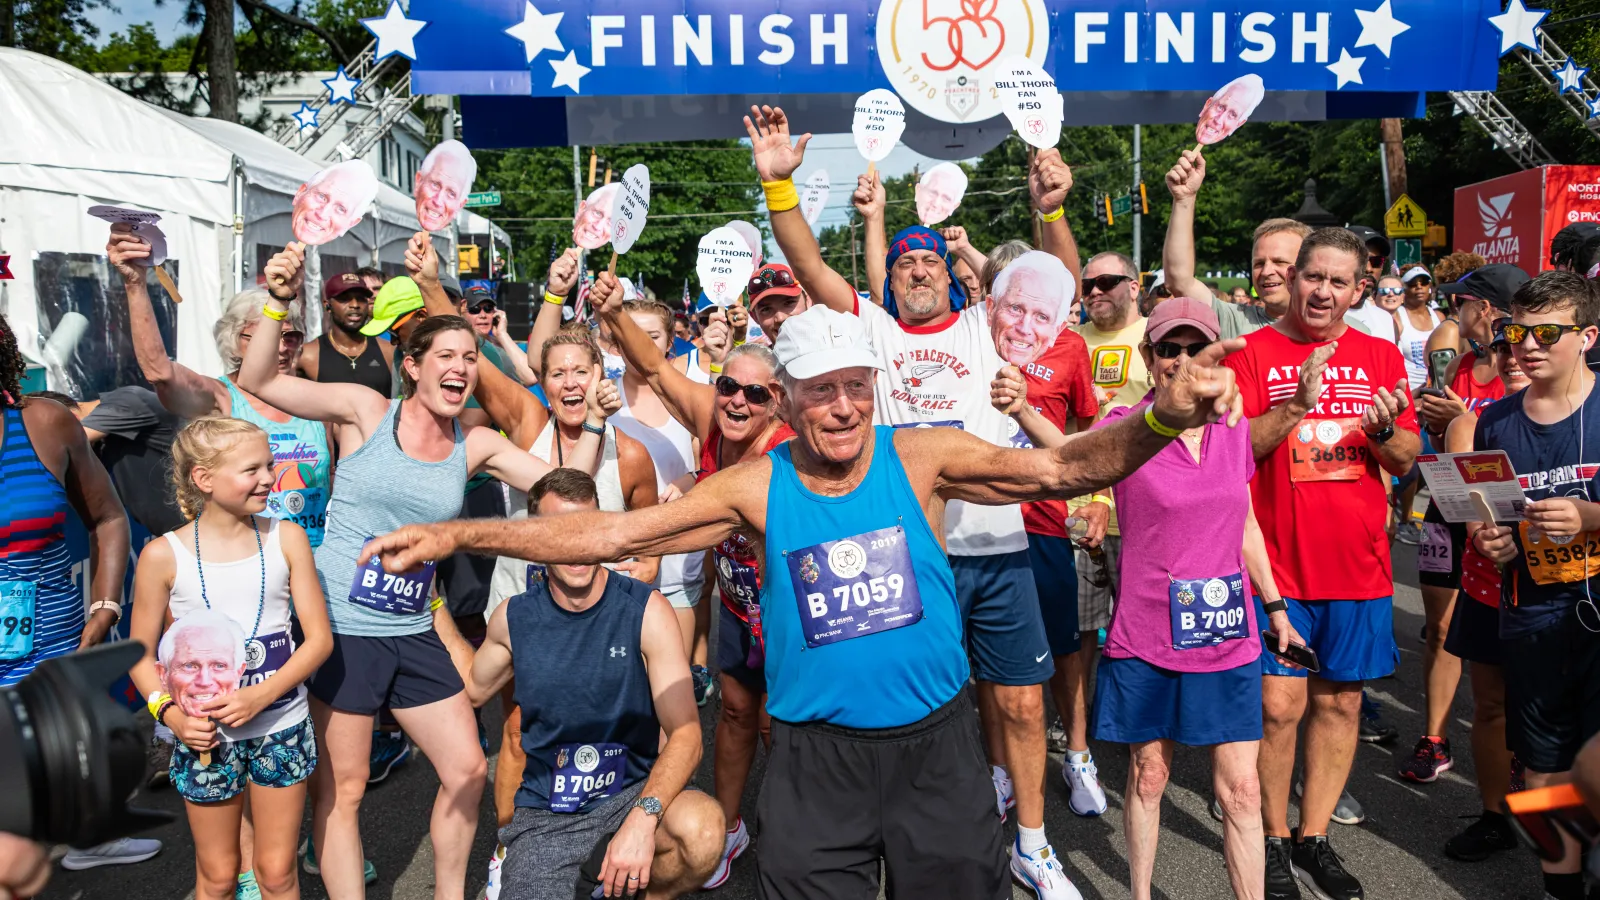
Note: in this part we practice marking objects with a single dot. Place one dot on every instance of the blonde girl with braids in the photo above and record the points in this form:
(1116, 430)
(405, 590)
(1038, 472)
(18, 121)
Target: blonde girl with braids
(231, 566)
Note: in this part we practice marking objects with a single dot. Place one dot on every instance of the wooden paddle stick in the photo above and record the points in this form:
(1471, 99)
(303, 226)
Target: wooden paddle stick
(167, 284)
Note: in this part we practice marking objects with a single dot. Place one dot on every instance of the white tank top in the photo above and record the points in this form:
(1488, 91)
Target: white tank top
(608, 482)
(695, 373)
(1414, 347)
(671, 447)
(234, 589)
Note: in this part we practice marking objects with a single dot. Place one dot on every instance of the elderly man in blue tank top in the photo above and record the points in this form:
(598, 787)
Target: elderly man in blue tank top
(601, 674)
(876, 756)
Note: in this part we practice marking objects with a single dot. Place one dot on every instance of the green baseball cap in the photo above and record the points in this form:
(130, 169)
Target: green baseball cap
(397, 297)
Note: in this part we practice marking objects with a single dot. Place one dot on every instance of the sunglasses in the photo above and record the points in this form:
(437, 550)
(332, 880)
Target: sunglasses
(1377, 261)
(397, 324)
(767, 279)
(482, 306)
(753, 393)
(1390, 292)
(1541, 816)
(1172, 350)
(1422, 280)
(1103, 283)
(1545, 335)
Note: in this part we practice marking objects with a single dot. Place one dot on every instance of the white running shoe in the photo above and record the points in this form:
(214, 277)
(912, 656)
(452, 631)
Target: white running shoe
(491, 888)
(1005, 794)
(1041, 873)
(733, 847)
(1083, 780)
(119, 852)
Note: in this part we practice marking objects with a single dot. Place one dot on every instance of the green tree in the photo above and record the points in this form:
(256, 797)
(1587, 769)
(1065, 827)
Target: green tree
(56, 28)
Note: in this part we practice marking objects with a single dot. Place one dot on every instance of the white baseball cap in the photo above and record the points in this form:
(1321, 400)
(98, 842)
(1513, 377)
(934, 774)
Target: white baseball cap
(819, 341)
(1413, 272)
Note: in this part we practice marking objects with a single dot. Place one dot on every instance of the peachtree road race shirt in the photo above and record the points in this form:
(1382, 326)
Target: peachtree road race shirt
(940, 375)
(1059, 388)
(1319, 496)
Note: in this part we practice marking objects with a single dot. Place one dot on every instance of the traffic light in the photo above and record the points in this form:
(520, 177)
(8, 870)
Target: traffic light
(1144, 200)
(1110, 219)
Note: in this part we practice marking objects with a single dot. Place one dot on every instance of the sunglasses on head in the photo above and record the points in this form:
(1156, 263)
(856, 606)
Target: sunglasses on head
(1545, 335)
(1172, 349)
(1104, 283)
(753, 393)
(770, 278)
(1390, 291)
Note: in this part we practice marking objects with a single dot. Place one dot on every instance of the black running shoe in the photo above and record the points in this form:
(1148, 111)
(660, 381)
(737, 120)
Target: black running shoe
(1487, 835)
(1280, 870)
(1321, 868)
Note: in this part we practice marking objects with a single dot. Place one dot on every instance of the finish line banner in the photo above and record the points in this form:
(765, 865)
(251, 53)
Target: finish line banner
(941, 56)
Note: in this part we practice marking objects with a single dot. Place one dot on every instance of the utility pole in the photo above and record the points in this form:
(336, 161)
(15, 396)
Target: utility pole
(577, 201)
(1392, 150)
(854, 282)
(1138, 215)
(447, 131)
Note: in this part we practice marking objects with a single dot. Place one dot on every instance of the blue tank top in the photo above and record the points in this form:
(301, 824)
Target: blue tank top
(858, 602)
(381, 489)
(589, 724)
(1546, 581)
(301, 462)
(41, 609)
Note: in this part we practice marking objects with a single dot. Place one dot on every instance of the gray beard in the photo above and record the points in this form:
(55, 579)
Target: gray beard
(913, 306)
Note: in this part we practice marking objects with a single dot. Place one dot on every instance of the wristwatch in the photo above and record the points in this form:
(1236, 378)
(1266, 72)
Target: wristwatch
(1383, 436)
(651, 807)
(1276, 606)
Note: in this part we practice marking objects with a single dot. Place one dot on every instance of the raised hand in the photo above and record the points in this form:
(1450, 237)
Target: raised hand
(717, 337)
(1186, 175)
(1049, 180)
(1008, 393)
(869, 197)
(1309, 392)
(124, 249)
(1202, 391)
(563, 274)
(605, 295)
(601, 398)
(422, 261)
(776, 156)
(286, 272)
(955, 240)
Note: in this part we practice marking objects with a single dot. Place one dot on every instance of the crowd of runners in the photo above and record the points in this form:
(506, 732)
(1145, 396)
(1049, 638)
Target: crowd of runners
(907, 510)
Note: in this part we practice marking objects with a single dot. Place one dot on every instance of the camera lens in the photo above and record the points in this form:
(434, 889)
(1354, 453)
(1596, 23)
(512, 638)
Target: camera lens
(79, 755)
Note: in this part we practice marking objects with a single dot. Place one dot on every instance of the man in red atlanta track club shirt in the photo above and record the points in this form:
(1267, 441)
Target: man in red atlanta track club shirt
(1319, 496)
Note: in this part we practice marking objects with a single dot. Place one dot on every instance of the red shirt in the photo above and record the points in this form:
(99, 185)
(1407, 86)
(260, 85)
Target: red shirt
(735, 558)
(1476, 396)
(1320, 495)
(1059, 387)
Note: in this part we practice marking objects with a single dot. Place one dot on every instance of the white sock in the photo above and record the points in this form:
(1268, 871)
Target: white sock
(1079, 756)
(1031, 840)
(1000, 774)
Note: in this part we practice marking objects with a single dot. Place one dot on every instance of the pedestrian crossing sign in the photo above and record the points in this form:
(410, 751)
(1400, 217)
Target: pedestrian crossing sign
(1405, 219)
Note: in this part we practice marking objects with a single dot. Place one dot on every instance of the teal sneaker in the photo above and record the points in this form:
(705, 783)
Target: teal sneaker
(247, 889)
(308, 863)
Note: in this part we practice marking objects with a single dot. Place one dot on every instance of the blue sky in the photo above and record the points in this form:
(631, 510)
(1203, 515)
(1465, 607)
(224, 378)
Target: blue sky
(165, 17)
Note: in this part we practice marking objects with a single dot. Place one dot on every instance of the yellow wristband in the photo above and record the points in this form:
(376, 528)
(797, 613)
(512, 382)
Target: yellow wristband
(1052, 216)
(552, 298)
(781, 195)
(1102, 498)
(716, 368)
(155, 705)
(437, 602)
(1156, 426)
(276, 315)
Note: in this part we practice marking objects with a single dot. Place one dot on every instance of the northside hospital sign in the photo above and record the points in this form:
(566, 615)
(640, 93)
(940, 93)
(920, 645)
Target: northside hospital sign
(941, 56)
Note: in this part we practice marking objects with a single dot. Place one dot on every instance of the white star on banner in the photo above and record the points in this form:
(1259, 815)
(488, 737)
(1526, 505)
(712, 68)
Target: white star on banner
(537, 31)
(1379, 28)
(1570, 77)
(1518, 26)
(1594, 107)
(395, 32)
(307, 117)
(1348, 68)
(568, 71)
(341, 87)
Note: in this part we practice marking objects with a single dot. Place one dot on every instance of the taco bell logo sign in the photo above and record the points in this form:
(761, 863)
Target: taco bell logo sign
(941, 56)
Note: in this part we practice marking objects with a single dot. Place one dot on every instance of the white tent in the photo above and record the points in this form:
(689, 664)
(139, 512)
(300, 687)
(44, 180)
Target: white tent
(224, 191)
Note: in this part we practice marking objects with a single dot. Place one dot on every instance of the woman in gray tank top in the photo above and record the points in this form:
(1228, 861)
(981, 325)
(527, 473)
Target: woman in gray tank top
(401, 462)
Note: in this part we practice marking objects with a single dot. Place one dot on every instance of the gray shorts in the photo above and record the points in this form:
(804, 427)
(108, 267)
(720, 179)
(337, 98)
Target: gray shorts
(1096, 600)
(545, 850)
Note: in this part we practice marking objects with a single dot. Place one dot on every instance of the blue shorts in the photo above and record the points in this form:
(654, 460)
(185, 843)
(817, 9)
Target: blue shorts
(280, 759)
(1353, 639)
(1135, 702)
(1055, 576)
(366, 674)
(1000, 610)
(733, 649)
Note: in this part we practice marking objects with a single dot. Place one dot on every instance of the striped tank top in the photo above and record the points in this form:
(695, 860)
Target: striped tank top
(41, 609)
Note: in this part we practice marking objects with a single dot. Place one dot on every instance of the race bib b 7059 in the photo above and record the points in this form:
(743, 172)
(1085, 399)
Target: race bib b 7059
(855, 586)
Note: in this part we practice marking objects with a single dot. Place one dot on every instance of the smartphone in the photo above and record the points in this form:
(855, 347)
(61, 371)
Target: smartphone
(1438, 363)
(1302, 656)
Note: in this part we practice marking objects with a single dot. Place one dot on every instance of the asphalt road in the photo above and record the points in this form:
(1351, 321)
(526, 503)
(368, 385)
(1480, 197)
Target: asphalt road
(1397, 852)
